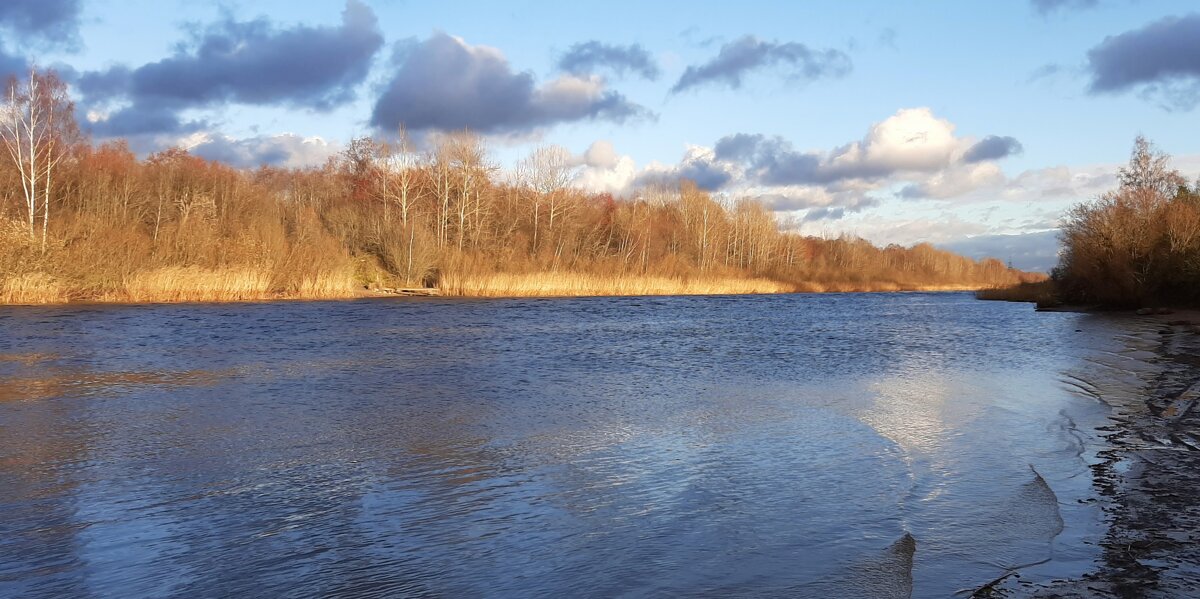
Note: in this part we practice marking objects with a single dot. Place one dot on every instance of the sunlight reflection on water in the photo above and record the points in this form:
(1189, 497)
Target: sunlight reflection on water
(768, 445)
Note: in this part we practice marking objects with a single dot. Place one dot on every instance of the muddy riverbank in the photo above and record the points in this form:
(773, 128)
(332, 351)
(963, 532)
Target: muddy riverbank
(1148, 473)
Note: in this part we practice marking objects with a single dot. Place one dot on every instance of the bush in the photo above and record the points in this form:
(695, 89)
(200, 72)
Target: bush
(1137, 245)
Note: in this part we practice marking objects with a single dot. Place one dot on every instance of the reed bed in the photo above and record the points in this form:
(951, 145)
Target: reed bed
(194, 284)
(876, 286)
(568, 284)
(325, 285)
(32, 288)
(197, 284)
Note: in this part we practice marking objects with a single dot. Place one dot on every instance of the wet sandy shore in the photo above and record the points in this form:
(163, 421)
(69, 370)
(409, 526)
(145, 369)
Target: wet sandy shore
(1147, 480)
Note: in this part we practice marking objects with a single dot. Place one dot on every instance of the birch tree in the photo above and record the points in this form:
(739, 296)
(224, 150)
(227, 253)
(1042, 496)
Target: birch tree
(38, 130)
(400, 174)
(548, 172)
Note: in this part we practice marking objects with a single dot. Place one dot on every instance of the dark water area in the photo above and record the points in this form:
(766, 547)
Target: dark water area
(841, 445)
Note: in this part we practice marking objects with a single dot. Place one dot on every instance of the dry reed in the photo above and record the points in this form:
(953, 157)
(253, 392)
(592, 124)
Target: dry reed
(32, 288)
(568, 284)
(194, 284)
(875, 286)
(326, 285)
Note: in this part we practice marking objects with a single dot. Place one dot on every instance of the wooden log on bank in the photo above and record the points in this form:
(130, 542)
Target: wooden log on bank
(407, 291)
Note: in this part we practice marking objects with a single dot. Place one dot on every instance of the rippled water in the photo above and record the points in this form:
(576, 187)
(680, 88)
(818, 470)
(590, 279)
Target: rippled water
(850, 445)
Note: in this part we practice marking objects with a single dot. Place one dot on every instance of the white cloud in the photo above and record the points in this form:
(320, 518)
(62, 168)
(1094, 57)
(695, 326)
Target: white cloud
(615, 177)
(601, 154)
(913, 139)
(284, 150)
(957, 181)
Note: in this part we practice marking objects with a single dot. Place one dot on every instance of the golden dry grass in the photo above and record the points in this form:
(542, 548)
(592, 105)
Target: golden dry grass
(182, 284)
(194, 284)
(875, 286)
(568, 284)
(32, 288)
(326, 285)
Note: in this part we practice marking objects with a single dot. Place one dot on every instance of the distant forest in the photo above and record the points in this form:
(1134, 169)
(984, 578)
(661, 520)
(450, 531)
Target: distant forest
(80, 221)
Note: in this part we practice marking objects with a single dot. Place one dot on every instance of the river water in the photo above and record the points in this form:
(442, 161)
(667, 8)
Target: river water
(840, 445)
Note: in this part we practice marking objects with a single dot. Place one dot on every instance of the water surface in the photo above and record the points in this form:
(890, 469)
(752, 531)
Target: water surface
(801, 445)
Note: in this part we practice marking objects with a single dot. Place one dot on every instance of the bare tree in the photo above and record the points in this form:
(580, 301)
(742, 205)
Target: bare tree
(469, 158)
(1149, 170)
(441, 163)
(38, 130)
(548, 173)
(399, 175)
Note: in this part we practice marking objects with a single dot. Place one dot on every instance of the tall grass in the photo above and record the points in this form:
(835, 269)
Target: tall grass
(326, 285)
(877, 286)
(32, 288)
(566, 284)
(194, 284)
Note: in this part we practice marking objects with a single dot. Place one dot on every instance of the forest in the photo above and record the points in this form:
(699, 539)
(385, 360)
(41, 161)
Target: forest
(81, 221)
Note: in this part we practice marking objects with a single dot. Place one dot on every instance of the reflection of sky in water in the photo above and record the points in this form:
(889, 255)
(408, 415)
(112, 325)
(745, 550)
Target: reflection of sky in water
(783, 444)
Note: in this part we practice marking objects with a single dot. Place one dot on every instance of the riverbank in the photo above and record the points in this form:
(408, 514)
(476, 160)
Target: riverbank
(183, 285)
(1148, 478)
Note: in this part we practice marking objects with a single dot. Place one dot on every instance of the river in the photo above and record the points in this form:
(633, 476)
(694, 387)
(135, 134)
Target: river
(836, 445)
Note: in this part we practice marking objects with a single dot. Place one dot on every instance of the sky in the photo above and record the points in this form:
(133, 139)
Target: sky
(969, 125)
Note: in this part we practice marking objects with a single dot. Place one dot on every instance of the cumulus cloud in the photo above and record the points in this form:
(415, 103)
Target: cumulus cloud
(147, 117)
(1046, 7)
(251, 62)
(912, 140)
(51, 20)
(698, 166)
(443, 83)
(592, 56)
(955, 181)
(603, 170)
(284, 150)
(40, 23)
(819, 203)
(912, 154)
(748, 53)
(601, 154)
(1161, 59)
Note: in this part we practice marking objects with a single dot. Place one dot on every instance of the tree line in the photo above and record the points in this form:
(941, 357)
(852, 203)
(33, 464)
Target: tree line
(93, 221)
(1137, 245)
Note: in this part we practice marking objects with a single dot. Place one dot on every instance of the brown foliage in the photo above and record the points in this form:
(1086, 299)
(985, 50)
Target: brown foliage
(1136, 245)
(178, 227)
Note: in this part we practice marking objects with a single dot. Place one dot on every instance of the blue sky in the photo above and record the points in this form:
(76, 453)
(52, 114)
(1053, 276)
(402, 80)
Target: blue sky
(827, 96)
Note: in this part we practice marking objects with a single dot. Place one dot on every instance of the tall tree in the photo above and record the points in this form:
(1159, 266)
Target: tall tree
(548, 173)
(1149, 170)
(38, 131)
